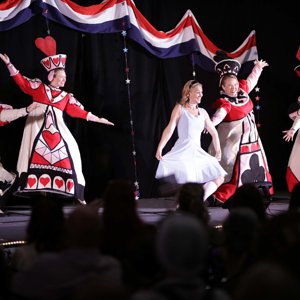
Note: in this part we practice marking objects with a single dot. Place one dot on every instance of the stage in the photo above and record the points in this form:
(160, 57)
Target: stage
(14, 221)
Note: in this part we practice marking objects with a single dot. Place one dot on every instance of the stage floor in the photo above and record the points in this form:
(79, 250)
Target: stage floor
(13, 223)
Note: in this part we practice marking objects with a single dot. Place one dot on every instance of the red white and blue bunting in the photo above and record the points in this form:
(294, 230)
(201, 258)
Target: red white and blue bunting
(110, 16)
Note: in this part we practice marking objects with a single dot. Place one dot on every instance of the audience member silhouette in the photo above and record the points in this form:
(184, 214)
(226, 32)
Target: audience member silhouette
(97, 290)
(5, 276)
(182, 248)
(44, 232)
(265, 281)
(190, 200)
(248, 195)
(280, 241)
(126, 236)
(239, 247)
(61, 275)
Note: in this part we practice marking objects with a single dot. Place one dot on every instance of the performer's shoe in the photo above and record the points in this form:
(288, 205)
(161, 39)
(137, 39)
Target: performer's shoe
(212, 201)
(6, 185)
(82, 202)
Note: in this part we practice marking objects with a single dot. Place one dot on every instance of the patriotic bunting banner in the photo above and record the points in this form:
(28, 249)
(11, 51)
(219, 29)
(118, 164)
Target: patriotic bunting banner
(14, 13)
(122, 15)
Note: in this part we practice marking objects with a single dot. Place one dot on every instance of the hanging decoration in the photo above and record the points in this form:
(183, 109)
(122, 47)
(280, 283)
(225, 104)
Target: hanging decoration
(257, 106)
(112, 16)
(127, 81)
(193, 66)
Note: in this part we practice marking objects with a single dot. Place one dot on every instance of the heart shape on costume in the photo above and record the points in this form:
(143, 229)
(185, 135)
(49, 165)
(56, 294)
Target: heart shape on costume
(70, 185)
(47, 63)
(47, 45)
(31, 181)
(56, 60)
(44, 180)
(59, 182)
(51, 139)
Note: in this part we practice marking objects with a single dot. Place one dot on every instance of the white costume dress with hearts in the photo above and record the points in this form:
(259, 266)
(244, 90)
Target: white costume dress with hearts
(49, 158)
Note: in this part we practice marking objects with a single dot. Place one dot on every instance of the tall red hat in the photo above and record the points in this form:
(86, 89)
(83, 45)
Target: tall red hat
(48, 46)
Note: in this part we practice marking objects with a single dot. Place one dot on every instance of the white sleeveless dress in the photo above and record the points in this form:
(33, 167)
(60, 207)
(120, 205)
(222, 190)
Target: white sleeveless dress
(187, 161)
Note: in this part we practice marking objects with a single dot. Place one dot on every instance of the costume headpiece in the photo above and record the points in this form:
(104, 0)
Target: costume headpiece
(225, 65)
(53, 61)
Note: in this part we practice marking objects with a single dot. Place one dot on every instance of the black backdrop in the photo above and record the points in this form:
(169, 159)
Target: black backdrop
(96, 76)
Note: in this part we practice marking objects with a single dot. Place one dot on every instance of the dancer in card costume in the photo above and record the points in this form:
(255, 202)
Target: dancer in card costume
(243, 155)
(293, 168)
(49, 158)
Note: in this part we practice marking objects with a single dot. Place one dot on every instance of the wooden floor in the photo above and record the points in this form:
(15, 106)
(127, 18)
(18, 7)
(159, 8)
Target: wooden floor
(14, 221)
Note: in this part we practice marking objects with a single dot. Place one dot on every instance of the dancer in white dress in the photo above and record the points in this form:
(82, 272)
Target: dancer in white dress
(187, 161)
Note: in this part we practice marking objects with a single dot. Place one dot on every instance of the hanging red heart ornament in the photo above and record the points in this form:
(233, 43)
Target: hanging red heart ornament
(47, 45)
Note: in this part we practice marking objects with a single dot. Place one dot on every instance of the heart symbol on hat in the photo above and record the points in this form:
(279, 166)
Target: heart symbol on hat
(46, 63)
(47, 45)
(56, 60)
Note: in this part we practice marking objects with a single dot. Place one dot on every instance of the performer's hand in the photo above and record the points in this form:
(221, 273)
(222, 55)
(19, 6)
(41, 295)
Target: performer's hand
(205, 131)
(96, 119)
(218, 155)
(289, 134)
(5, 58)
(158, 154)
(104, 121)
(32, 106)
(261, 63)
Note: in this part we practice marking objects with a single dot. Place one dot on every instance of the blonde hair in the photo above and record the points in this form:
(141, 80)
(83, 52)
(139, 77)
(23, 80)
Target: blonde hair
(186, 90)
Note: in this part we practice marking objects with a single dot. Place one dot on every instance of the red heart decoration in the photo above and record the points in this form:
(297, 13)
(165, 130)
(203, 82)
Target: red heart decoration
(46, 45)
(63, 60)
(56, 60)
(70, 185)
(52, 139)
(31, 181)
(44, 181)
(47, 63)
(59, 182)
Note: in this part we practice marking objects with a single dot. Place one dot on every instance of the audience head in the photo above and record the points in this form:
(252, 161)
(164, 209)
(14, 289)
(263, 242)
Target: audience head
(119, 198)
(190, 200)
(240, 231)
(83, 228)
(45, 227)
(266, 280)
(248, 195)
(182, 245)
(280, 240)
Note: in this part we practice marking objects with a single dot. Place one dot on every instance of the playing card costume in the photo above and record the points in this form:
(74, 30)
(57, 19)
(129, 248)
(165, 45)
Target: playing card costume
(293, 168)
(49, 158)
(243, 156)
